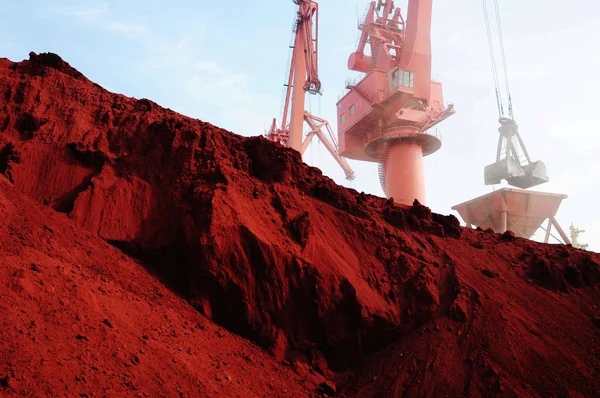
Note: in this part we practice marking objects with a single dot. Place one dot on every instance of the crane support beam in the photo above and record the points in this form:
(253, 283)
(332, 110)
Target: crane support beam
(297, 115)
(329, 142)
(289, 86)
(561, 232)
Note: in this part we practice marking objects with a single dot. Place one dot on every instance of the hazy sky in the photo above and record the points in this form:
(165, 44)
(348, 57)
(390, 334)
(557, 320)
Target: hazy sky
(225, 62)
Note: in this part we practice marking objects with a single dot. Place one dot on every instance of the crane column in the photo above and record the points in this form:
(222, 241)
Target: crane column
(298, 97)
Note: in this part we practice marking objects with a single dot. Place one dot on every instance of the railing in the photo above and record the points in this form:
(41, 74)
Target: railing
(433, 112)
(436, 133)
(355, 80)
(351, 81)
(361, 22)
(382, 132)
(381, 167)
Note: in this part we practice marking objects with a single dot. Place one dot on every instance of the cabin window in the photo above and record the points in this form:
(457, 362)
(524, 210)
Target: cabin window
(407, 78)
(352, 110)
(403, 78)
(395, 78)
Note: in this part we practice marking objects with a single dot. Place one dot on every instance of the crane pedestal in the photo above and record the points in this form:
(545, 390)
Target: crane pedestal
(522, 212)
(404, 180)
(400, 151)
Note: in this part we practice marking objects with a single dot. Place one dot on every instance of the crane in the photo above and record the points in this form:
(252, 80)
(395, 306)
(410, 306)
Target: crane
(304, 78)
(387, 115)
(513, 162)
(575, 232)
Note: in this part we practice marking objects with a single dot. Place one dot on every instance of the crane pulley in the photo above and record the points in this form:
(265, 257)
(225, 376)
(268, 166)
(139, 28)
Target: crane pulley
(513, 163)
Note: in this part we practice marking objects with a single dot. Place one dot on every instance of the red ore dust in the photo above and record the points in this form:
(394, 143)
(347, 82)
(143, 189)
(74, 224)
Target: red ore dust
(146, 253)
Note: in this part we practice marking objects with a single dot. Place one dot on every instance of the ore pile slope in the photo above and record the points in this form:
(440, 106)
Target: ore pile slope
(269, 248)
(81, 319)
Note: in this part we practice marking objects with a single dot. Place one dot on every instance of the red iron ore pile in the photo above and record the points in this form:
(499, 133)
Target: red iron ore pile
(145, 253)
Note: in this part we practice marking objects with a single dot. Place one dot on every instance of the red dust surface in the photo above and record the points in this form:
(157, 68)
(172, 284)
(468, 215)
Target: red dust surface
(345, 290)
(79, 318)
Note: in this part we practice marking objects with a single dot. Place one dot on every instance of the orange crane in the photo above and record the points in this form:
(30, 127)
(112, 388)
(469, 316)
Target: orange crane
(388, 114)
(304, 78)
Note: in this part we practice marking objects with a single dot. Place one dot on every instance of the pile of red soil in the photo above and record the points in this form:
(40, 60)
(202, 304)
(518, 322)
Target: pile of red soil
(81, 319)
(386, 300)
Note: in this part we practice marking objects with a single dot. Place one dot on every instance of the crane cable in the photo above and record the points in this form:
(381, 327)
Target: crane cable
(493, 58)
(501, 36)
(499, 100)
(288, 66)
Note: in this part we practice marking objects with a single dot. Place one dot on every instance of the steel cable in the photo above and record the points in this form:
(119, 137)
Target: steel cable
(493, 59)
(502, 52)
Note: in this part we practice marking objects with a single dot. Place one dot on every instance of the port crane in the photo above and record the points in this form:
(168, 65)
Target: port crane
(513, 162)
(303, 78)
(575, 233)
(388, 113)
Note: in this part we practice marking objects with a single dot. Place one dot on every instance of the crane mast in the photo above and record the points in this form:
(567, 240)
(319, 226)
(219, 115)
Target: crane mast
(303, 78)
(388, 114)
(304, 70)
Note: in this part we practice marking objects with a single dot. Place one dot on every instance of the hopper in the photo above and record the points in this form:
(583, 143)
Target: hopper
(522, 212)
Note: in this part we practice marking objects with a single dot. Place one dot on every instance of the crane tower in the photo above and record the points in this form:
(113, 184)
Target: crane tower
(388, 113)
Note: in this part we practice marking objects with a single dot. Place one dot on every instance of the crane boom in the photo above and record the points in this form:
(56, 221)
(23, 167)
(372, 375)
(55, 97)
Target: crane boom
(308, 10)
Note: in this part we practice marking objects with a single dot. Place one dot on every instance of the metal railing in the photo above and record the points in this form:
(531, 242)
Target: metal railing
(382, 132)
(351, 81)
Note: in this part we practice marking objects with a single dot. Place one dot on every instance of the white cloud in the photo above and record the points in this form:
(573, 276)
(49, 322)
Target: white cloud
(87, 14)
(206, 65)
(127, 29)
(218, 85)
(249, 122)
(101, 17)
(229, 79)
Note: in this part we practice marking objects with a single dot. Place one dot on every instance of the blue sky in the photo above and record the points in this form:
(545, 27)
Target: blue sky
(225, 62)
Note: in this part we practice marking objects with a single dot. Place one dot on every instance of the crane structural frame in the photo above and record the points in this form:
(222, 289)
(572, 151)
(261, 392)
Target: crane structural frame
(303, 78)
(388, 115)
